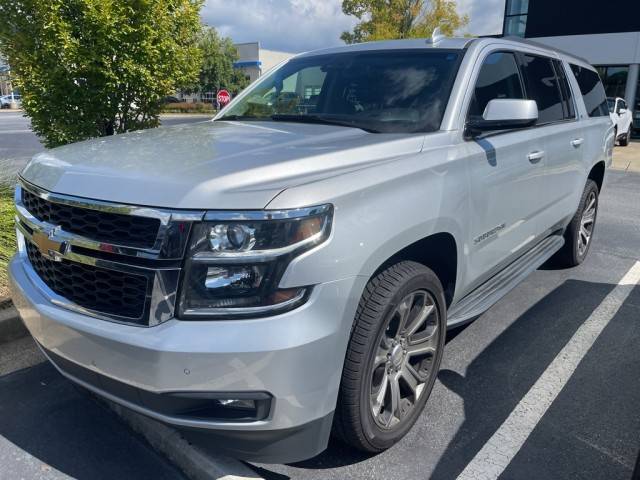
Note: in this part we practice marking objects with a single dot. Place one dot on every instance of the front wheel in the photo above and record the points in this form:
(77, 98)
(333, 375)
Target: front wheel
(579, 233)
(393, 356)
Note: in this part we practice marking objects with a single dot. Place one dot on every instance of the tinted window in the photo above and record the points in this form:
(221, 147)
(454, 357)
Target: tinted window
(542, 86)
(592, 91)
(381, 91)
(498, 78)
(569, 109)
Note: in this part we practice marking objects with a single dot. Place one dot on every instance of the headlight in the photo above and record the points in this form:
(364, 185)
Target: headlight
(235, 261)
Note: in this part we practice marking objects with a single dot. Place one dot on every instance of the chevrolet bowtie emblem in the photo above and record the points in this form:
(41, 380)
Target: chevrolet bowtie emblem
(48, 245)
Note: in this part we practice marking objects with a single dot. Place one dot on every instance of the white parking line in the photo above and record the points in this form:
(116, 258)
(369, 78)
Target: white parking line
(497, 453)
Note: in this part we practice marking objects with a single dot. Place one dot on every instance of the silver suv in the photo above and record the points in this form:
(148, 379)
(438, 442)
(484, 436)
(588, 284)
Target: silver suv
(290, 269)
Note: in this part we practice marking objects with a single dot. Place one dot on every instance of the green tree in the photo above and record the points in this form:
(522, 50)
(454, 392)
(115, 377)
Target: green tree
(218, 55)
(89, 68)
(392, 19)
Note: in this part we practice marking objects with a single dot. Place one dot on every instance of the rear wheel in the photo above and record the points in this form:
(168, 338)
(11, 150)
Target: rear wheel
(579, 233)
(393, 357)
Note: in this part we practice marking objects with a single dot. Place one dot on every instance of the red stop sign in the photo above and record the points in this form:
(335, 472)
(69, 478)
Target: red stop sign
(223, 97)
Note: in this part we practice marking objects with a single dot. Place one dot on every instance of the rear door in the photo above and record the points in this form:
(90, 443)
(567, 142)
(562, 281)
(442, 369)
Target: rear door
(562, 137)
(594, 117)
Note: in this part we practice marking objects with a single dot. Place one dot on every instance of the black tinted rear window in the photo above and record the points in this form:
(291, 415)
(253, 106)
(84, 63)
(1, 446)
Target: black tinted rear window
(595, 98)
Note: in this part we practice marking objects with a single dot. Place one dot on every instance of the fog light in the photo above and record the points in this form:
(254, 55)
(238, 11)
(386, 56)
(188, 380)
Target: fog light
(238, 403)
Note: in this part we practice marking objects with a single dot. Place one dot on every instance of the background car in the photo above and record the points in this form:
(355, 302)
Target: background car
(5, 101)
(170, 99)
(622, 118)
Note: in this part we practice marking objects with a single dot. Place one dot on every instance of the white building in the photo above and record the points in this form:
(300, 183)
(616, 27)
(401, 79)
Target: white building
(255, 60)
(252, 59)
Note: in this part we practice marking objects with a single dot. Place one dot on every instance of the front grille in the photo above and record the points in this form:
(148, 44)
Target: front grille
(98, 289)
(98, 225)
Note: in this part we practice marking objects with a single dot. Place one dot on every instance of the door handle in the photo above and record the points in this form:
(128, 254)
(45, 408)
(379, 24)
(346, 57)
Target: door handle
(577, 142)
(535, 157)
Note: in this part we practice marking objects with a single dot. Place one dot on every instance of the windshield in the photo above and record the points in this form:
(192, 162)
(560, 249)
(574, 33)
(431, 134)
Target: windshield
(379, 91)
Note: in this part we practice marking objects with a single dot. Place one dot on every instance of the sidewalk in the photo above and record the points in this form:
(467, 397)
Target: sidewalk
(627, 158)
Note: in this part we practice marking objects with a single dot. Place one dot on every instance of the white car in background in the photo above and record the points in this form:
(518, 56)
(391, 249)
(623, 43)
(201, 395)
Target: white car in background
(622, 119)
(5, 101)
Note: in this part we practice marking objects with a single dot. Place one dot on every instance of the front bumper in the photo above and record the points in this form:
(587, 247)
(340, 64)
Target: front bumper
(296, 357)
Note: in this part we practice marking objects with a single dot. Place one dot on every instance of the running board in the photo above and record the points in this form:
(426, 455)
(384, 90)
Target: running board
(483, 297)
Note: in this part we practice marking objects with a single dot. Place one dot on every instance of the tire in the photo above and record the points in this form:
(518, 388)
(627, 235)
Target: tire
(624, 140)
(575, 249)
(379, 357)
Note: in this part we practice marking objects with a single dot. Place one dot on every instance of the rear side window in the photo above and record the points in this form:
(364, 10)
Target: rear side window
(595, 98)
(498, 78)
(543, 87)
(569, 108)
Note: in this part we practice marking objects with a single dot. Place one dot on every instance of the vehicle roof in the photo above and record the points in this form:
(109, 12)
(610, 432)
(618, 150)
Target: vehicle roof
(449, 43)
(406, 44)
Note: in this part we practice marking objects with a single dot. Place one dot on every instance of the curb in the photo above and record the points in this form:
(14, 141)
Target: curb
(193, 462)
(11, 326)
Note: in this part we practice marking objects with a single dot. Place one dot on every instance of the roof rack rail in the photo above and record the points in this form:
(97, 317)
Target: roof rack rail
(526, 41)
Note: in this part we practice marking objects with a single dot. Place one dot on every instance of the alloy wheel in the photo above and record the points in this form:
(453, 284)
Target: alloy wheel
(404, 359)
(587, 223)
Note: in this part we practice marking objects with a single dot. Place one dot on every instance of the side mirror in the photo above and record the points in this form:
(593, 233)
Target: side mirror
(504, 114)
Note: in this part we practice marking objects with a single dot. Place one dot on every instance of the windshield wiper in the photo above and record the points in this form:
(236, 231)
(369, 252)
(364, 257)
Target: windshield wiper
(320, 119)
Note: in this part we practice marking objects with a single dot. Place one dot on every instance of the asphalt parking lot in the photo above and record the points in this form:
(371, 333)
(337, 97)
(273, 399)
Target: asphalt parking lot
(586, 426)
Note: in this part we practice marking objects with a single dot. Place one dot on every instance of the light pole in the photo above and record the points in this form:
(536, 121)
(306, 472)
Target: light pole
(12, 105)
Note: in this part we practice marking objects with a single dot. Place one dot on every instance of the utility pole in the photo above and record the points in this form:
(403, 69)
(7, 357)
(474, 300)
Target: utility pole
(12, 104)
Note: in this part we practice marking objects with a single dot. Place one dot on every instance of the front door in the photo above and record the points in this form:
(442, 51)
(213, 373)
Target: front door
(505, 170)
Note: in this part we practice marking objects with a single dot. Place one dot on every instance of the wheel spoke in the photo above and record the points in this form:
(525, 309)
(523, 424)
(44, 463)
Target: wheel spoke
(381, 357)
(421, 317)
(377, 398)
(395, 399)
(585, 235)
(404, 309)
(592, 203)
(410, 379)
(421, 349)
(588, 217)
(424, 345)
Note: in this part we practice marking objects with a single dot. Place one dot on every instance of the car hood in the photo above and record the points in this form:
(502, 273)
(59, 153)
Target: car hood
(211, 165)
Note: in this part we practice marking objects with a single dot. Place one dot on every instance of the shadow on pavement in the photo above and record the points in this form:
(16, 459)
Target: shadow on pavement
(498, 378)
(47, 417)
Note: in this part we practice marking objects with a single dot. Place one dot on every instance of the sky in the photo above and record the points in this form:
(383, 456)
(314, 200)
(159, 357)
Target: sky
(301, 25)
